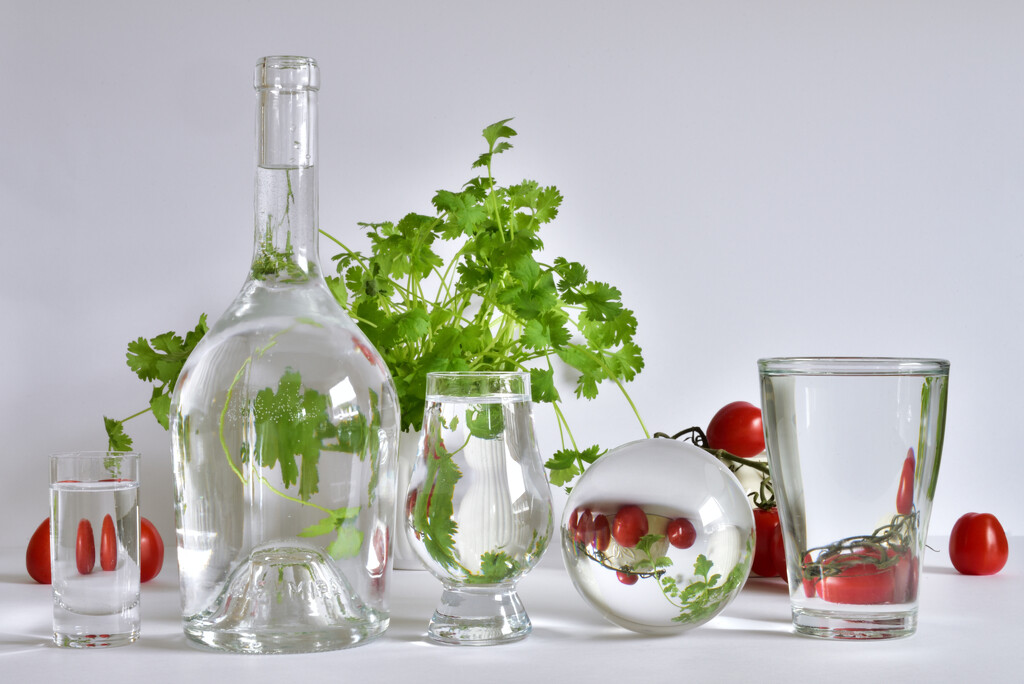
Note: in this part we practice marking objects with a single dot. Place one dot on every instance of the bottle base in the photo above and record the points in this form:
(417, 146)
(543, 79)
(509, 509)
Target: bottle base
(854, 626)
(286, 600)
(266, 643)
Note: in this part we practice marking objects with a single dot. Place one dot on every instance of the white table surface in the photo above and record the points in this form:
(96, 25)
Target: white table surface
(970, 630)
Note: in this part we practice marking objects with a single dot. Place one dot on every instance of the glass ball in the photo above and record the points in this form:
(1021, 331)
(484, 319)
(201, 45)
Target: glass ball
(658, 536)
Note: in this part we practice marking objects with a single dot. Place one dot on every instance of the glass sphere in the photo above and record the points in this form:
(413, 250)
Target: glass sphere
(658, 536)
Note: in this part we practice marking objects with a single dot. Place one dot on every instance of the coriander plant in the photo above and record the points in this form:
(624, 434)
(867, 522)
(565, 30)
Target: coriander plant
(494, 305)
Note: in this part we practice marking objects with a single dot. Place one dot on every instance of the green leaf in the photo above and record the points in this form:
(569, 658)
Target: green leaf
(559, 477)
(495, 567)
(160, 404)
(626, 362)
(347, 543)
(548, 331)
(434, 513)
(161, 358)
(291, 426)
(542, 385)
(486, 421)
(496, 131)
(600, 299)
(584, 361)
(117, 438)
(411, 325)
(338, 290)
(607, 333)
(465, 213)
(702, 566)
(563, 458)
(647, 541)
(331, 522)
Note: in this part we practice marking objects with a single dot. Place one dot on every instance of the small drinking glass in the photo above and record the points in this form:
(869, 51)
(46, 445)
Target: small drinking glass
(478, 511)
(854, 446)
(94, 548)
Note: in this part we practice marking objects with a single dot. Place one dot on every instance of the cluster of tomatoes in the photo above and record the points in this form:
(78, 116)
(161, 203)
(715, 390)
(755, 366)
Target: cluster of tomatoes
(627, 527)
(151, 550)
(977, 545)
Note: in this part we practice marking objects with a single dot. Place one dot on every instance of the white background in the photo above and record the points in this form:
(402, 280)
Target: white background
(758, 179)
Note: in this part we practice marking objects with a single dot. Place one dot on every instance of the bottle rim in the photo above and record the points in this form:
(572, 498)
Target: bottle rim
(288, 73)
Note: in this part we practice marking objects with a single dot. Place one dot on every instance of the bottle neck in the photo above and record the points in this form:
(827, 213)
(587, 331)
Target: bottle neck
(286, 239)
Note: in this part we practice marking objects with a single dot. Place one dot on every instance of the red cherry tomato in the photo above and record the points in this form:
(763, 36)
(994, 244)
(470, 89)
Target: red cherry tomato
(737, 429)
(778, 554)
(584, 533)
(681, 533)
(977, 544)
(37, 557)
(108, 544)
(630, 524)
(602, 532)
(765, 523)
(905, 493)
(862, 582)
(151, 550)
(627, 578)
(85, 548)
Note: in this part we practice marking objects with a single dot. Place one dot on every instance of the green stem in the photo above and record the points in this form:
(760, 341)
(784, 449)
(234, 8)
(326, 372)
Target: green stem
(277, 491)
(136, 415)
(223, 416)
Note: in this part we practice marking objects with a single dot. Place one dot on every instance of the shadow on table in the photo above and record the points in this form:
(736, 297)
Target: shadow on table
(11, 644)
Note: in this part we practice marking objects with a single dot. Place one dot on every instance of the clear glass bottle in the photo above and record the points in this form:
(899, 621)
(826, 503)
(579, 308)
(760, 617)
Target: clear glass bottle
(285, 427)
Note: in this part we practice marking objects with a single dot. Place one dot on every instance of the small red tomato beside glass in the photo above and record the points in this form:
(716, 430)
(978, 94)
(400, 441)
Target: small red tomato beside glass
(151, 551)
(37, 556)
(978, 545)
(737, 428)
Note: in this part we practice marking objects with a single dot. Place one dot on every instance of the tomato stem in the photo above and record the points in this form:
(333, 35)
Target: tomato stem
(765, 497)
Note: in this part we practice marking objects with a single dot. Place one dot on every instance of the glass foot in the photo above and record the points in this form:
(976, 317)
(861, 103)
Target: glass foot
(479, 616)
(835, 625)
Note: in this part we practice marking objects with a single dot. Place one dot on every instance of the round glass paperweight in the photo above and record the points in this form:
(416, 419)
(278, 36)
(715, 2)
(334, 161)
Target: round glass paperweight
(658, 536)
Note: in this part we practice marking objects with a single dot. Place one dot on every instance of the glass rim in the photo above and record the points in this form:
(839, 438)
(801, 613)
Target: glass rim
(852, 365)
(96, 453)
(475, 374)
(478, 383)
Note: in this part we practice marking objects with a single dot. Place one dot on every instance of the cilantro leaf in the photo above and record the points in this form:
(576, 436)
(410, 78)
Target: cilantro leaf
(498, 130)
(117, 439)
(542, 385)
(486, 421)
(291, 425)
(434, 512)
(495, 567)
(346, 544)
